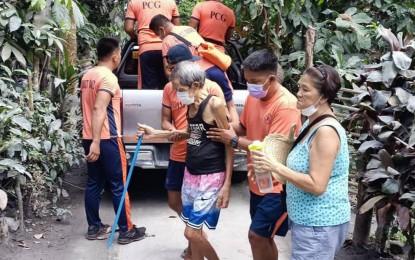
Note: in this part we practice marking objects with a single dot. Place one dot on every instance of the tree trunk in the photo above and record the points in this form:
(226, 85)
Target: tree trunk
(382, 232)
(19, 203)
(362, 223)
(309, 46)
(72, 48)
(36, 62)
(4, 232)
(30, 91)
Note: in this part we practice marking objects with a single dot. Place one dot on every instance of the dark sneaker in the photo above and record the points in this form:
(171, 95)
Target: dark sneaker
(98, 233)
(134, 234)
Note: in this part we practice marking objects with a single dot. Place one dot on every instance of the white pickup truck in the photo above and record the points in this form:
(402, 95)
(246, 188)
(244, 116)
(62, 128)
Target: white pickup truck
(144, 106)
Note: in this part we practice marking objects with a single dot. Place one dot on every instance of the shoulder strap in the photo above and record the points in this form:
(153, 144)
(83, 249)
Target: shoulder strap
(182, 39)
(203, 105)
(305, 131)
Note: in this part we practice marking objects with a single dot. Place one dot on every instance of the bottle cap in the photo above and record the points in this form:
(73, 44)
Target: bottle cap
(256, 145)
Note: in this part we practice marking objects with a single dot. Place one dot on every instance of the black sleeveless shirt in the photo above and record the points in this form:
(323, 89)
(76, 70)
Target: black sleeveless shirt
(203, 156)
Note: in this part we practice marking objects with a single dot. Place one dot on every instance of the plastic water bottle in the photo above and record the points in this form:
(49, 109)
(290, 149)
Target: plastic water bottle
(262, 177)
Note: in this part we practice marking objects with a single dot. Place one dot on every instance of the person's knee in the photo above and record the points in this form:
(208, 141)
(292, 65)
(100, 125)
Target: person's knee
(193, 235)
(175, 205)
(256, 240)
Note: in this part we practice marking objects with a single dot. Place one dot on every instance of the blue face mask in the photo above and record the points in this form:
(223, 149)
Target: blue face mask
(257, 90)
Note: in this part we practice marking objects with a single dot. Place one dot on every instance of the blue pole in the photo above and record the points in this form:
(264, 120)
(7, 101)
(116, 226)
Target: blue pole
(130, 173)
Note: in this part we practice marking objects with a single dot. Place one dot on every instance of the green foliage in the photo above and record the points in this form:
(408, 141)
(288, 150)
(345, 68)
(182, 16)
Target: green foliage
(185, 10)
(386, 147)
(36, 147)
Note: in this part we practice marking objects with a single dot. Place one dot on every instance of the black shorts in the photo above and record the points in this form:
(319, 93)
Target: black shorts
(269, 215)
(174, 176)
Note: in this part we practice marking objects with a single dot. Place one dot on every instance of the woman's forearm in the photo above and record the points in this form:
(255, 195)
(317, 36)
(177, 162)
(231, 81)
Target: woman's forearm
(300, 180)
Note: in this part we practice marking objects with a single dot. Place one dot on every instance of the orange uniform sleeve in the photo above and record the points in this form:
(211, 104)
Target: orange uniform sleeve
(166, 95)
(108, 84)
(283, 119)
(168, 42)
(242, 118)
(175, 11)
(233, 22)
(196, 13)
(130, 14)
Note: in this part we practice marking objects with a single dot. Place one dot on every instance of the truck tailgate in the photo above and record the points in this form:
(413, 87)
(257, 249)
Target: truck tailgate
(140, 106)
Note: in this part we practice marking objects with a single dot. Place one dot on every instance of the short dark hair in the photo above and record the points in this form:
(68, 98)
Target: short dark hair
(326, 80)
(158, 21)
(106, 46)
(262, 60)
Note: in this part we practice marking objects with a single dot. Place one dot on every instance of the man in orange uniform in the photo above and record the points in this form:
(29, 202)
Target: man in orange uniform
(151, 64)
(161, 26)
(106, 160)
(215, 21)
(269, 108)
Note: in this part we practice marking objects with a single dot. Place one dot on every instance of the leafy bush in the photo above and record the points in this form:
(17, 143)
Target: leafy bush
(386, 146)
(36, 147)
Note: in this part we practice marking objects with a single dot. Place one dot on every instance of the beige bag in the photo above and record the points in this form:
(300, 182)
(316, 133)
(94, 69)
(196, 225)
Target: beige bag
(277, 147)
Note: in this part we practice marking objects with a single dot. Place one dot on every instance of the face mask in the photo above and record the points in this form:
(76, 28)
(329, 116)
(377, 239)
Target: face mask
(257, 90)
(309, 111)
(185, 98)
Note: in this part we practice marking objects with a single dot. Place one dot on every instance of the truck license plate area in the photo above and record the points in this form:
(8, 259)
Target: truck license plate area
(145, 156)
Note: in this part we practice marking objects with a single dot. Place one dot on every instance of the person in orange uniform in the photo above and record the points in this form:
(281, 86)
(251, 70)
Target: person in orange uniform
(215, 22)
(140, 12)
(104, 149)
(161, 26)
(269, 108)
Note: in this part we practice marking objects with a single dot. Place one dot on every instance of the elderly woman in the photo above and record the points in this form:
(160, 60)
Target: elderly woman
(207, 176)
(316, 171)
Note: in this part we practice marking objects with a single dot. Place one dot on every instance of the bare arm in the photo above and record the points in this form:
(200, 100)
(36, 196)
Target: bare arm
(166, 120)
(167, 72)
(229, 34)
(232, 111)
(323, 151)
(129, 28)
(98, 117)
(219, 113)
(176, 20)
(148, 132)
(193, 23)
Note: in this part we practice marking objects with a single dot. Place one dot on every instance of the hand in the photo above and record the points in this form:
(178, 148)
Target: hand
(176, 137)
(145, 130)
(221, 135)
(261, 161)
(94, 152)
(223, 198)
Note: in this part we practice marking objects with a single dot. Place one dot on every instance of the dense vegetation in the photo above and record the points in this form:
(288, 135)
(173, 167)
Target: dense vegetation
(44, 45)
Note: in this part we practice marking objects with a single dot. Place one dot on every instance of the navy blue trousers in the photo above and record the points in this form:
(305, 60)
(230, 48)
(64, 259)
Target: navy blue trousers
(152, 70)
(110, 167)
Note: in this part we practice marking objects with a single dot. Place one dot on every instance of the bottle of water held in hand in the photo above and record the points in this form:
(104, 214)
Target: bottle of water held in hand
(262, 177)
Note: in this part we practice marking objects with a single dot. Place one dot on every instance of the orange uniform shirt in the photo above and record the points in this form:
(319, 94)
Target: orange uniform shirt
(178, 114)
(192, 36)
(101, 79)
(214, 19)
(276, 115)
(142, 11)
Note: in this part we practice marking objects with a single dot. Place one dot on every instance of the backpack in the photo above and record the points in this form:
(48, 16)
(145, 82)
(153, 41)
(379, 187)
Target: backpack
(210, 52)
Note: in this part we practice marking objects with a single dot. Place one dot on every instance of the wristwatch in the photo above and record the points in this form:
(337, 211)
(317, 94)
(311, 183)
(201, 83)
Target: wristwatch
(234, 142)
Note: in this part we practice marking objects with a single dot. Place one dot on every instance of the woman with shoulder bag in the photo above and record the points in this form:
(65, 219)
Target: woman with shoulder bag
(317, 170)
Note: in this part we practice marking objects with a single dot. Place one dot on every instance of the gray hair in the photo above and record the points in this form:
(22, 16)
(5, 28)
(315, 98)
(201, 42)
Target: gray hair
(188, 73)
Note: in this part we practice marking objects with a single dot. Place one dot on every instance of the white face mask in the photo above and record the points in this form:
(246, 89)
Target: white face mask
(309, 111)
(185, 98)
